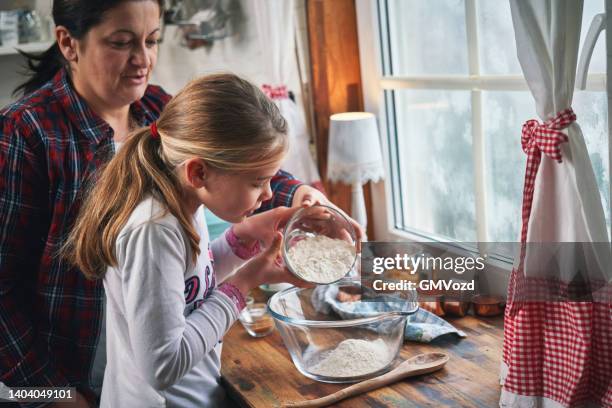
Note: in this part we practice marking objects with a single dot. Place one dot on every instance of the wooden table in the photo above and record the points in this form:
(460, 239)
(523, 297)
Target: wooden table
(260, 373)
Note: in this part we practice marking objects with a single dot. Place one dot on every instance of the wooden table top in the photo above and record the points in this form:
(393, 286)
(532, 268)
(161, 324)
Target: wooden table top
(260, 373)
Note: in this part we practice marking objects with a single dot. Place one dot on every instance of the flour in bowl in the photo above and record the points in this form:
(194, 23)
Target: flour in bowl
(321, 259)
(353, 357)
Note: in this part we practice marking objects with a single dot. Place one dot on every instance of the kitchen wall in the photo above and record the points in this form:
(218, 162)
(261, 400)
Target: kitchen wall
(241, 54)
(12, 64)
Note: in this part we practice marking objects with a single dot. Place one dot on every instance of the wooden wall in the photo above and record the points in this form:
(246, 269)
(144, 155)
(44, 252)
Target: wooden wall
(336, 82)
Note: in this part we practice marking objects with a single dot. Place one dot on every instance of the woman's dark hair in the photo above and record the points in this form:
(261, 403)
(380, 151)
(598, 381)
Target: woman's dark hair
(78, 16)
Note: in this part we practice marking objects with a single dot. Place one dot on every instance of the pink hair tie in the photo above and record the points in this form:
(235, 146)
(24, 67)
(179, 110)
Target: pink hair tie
(154, 132)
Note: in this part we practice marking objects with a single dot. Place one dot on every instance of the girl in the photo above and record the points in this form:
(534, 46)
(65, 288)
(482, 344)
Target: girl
(217, 144)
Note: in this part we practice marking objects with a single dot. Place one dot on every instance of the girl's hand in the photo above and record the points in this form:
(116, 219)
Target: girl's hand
(267, 267)
(306, 196)
(264, 226)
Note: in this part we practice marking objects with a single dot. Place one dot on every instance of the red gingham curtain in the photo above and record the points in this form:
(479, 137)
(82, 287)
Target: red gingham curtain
(556, 354)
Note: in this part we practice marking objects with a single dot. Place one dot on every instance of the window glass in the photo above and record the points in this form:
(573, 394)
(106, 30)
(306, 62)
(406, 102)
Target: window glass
(427, 37)
(496, 44)
(592, 114)
(503, 114)
(436, 162)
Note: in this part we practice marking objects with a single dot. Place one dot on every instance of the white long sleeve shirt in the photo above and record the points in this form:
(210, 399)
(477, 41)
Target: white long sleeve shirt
(165, 316)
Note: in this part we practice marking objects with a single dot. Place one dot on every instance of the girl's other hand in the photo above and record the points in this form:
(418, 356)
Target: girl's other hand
(267, 267)
(264, 226)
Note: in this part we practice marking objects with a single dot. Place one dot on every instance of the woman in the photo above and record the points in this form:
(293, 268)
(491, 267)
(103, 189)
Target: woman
(86, 93)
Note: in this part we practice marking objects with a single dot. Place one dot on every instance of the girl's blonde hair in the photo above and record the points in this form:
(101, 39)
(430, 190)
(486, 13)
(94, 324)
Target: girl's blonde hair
(222, 119)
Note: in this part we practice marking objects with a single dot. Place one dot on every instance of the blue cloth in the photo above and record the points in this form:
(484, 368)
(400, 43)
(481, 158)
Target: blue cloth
(422, 326)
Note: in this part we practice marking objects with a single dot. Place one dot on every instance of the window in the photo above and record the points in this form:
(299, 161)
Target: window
(454, 103)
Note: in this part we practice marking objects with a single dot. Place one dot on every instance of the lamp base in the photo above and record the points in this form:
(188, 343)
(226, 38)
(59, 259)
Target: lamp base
(358, 209)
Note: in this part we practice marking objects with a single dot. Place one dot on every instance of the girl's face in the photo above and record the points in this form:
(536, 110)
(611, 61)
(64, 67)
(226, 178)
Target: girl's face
(115, 58)
(233, 197)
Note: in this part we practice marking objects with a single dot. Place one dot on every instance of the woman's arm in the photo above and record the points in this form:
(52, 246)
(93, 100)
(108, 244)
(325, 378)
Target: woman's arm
(283, 187)
(24, 356)
(290, 192)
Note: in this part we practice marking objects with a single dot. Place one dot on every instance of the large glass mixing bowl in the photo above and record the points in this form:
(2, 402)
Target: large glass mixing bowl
(323, 346)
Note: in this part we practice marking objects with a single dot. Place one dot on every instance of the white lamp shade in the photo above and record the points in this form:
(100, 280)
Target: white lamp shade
(354, 155)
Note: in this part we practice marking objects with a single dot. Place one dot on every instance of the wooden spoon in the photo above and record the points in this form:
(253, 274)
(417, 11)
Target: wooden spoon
(420, 364)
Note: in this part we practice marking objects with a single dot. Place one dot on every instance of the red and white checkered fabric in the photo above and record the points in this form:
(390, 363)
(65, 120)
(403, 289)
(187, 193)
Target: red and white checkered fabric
(538, 138)
(556, 350)
(561, 351)
(275, 92)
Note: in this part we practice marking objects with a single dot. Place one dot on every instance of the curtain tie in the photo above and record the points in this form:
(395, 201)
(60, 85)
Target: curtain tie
(538, 138)
(275, 92)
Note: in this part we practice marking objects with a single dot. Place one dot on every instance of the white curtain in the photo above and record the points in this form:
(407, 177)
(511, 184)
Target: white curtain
(566, 209)
(275, 20)
(566, 204)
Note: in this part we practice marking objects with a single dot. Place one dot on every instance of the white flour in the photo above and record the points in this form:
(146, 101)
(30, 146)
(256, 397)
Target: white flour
(321, 259)
(353, 357)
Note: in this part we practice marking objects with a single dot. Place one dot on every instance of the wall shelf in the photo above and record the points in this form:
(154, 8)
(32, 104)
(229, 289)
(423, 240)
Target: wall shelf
(27, 47)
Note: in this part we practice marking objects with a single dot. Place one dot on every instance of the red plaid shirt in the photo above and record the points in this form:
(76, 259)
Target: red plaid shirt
(50, 315)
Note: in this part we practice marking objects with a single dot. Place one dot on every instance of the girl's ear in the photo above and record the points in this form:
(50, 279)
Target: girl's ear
(196, 172)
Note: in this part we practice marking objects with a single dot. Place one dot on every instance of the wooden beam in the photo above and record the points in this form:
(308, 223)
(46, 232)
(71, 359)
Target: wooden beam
(336, 82)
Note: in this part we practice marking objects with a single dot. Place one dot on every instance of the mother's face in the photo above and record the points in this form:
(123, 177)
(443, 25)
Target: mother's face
(115, 58)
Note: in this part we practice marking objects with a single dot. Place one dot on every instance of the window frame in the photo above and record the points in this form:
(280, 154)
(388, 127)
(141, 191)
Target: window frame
(374, 56)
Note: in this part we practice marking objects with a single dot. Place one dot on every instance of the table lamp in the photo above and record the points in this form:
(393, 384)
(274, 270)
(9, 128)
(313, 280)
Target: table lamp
(354, 156)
